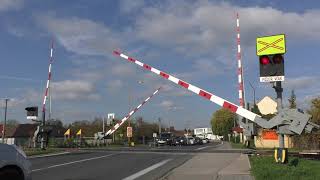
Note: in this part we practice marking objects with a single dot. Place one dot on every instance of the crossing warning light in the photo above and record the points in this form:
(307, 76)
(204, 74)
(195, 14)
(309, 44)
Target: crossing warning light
(270, 50)
(32, 112)
(271, 68)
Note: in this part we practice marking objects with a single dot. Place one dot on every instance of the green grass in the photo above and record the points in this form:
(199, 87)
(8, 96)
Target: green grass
(237, 145)
(265, 168)
(33, 152)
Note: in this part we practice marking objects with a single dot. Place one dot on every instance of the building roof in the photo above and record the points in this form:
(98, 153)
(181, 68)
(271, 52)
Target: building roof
(9, 130)
(25, 130)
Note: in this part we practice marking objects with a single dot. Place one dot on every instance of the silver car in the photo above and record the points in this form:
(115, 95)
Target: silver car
(13, 163)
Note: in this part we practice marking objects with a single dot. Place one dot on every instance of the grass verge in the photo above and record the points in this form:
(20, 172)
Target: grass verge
(264, 167)
(33, 152)
(237, 145)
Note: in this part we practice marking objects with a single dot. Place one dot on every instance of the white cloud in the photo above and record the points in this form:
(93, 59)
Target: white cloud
(170, 105)
(115, 85)
(74, 90)
(6, 5)
(91, 76)
(303, 82)
(81, 36)
(166, 104)
(122, 70)
(208, 28)
(128, 6)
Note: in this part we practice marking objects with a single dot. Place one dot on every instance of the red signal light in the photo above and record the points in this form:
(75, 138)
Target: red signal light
(264, 60)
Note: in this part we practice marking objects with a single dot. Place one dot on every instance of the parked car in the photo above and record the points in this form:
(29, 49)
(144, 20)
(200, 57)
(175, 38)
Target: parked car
(165, 138)
(205, 141)
(180, 141)
(14, 164)
(198, 140)
(190, 141)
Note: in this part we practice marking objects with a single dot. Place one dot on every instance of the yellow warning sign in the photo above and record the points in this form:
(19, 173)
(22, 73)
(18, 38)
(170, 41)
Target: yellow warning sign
(271, 45)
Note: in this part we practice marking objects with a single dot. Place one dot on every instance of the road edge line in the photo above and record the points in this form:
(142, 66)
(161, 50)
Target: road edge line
(47, 155)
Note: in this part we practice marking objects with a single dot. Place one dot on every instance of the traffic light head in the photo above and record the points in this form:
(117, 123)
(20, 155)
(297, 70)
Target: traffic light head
(32, 112)
(271, 68)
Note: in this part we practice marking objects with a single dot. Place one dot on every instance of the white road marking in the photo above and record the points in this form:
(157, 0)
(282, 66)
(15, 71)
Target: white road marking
(48, 155)
(72, 162)
(145, 171)
(200, 148)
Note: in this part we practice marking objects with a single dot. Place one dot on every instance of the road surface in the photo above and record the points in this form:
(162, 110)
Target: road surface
(116, 164)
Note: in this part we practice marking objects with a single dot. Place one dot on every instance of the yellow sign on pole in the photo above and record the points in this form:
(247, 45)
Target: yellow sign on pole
(271, 45)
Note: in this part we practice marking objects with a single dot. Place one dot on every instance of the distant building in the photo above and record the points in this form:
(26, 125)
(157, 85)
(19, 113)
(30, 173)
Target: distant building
(21, 135)
(25, 134)
(267, 106)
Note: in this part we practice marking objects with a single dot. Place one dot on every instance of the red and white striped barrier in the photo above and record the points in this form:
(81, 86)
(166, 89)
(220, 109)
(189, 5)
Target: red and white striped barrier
(49, 78)
(240, 69)
(205, 94)
(114, 128)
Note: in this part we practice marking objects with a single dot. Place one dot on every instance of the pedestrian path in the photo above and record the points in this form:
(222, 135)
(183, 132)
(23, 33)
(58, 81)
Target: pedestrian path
(214, 166)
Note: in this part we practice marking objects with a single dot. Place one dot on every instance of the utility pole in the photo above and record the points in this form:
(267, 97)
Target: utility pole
(159, 121)
(103, 125)
(254, 93)
(5, 119)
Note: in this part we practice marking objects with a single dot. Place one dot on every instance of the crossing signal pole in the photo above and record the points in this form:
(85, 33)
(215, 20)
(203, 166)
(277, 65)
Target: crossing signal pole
(270, 50)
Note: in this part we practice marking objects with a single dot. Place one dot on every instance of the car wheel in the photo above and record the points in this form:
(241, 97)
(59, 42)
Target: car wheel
(11, 173)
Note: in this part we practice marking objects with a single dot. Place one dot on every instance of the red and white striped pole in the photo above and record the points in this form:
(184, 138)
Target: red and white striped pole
(47, 85)
(114, 128)
(240, 74)
(242, 101)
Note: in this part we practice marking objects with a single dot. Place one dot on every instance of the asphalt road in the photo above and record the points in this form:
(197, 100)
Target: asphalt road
(116, 164)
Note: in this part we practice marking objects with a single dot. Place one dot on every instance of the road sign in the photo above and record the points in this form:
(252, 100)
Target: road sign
(111, 116)
(271, 45)
(129, 131)
(154, 135)
(272, 79)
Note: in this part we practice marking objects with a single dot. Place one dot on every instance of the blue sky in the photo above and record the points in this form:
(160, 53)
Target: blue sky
(194, 40)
